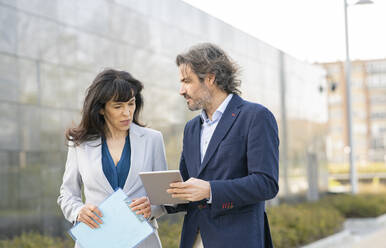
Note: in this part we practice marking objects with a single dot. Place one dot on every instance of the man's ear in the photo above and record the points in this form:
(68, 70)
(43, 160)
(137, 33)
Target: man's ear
(211, 78)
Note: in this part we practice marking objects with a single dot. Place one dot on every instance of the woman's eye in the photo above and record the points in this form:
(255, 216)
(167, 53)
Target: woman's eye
(117, 107)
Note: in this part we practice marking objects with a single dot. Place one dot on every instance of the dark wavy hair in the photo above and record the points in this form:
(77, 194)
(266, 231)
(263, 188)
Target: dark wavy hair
(108, 85)
(207, 58)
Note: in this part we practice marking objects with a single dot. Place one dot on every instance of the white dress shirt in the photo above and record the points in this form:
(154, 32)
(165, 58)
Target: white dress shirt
(208, 126)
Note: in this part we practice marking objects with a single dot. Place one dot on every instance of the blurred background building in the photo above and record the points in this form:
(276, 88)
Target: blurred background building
(369, 118)
(51, 50)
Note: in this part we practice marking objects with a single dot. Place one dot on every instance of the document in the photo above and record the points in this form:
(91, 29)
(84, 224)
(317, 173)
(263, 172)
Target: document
(121, 227)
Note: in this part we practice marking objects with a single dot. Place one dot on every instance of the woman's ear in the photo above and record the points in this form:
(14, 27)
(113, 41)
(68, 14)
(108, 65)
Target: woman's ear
(102, 112)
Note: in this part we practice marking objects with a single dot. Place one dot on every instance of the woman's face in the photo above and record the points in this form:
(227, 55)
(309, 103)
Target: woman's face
(119, 115)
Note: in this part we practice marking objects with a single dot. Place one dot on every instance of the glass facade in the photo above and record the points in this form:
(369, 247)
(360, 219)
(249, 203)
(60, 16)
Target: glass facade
(51, 50)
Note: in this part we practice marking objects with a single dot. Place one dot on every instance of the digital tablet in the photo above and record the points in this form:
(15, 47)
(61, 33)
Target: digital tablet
(157, 182)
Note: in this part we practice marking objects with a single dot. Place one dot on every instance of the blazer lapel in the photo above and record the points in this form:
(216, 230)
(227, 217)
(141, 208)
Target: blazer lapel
(196, 153)
(228, 117)
(137, 156)
(94, 151)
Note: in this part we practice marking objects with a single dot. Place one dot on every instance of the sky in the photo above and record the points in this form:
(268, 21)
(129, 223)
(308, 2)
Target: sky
(310, 30)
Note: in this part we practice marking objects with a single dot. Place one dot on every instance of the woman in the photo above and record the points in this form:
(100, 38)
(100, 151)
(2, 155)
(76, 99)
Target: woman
(108, 149)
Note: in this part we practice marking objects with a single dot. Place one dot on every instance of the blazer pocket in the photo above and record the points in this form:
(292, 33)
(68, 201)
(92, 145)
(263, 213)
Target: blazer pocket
(234, 211)
(229, 219)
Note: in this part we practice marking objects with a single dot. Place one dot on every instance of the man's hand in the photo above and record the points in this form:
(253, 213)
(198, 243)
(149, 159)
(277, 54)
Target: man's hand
(142, 206)
(89, 216)
(192, 190)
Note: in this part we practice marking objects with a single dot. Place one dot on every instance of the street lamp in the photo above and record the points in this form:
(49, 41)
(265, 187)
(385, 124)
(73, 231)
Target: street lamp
(353, 174)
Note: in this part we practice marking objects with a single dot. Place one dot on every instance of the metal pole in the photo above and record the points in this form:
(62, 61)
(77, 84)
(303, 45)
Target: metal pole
(353, 176)
(284, 137)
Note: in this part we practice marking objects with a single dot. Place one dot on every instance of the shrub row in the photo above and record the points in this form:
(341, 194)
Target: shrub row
(36, 240)
(295, 225)
(300, 224)
(291, 225)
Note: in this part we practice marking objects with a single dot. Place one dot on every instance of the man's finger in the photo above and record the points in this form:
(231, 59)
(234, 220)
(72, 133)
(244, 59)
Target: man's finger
(181, 196)
(178, 185)
(180, 191)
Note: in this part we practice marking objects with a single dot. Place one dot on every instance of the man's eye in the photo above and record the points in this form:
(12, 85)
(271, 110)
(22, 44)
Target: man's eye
(117, 107)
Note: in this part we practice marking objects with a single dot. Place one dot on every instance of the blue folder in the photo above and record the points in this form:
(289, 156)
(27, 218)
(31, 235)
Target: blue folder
(121, 227)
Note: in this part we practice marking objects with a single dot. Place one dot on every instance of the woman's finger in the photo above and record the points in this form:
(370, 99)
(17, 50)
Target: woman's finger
(96, 210)
(88, 221)
(138, 201)
(141, 206)
(147, 214)
(94, 216)
(144, 210)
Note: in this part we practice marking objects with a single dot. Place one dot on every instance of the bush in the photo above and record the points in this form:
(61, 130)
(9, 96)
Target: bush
(291, 225)
(299, 224)
(358, 206)
(36, 240)
(295, 225)
(170, 233)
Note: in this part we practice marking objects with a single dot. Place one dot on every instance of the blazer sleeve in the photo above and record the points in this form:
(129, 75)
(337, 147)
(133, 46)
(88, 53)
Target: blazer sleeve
(70, 198)
(159, 164)
(262, 164)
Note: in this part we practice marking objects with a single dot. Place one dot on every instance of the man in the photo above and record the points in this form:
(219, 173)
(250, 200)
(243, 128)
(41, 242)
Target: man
(229, 161)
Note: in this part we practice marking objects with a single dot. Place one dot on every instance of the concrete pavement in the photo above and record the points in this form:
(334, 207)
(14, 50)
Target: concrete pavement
(357, 233)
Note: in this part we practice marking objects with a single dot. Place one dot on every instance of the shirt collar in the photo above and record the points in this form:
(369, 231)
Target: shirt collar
(219, 111)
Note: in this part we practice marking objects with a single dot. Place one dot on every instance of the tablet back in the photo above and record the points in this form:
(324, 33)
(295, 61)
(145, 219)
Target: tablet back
(157, 182)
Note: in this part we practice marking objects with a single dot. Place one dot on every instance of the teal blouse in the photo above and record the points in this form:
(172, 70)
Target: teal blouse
(116, 175)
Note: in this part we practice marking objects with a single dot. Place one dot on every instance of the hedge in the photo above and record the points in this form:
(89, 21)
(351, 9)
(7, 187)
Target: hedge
(36, 240)
(295, 225)
(292, 225)
(300, 224)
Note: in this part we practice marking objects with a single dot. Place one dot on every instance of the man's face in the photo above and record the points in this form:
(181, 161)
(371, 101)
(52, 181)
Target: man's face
(196, 93)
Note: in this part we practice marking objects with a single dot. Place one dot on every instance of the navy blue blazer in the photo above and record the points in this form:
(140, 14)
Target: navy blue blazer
(241, 164)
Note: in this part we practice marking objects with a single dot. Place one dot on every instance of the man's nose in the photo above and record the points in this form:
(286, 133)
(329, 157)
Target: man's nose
(182, 90)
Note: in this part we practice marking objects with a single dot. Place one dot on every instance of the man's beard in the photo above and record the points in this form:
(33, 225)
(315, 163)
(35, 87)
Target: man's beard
(199, 103)
(193, 106)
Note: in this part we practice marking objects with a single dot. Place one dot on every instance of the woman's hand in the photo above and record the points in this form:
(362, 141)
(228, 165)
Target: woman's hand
(142, 206)
(89, 216)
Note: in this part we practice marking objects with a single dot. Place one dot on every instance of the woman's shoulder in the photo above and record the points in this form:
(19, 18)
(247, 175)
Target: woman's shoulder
(82, 145)
(152, 133)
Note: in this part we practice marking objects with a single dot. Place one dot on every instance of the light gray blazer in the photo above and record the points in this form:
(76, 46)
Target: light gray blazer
(84, 167)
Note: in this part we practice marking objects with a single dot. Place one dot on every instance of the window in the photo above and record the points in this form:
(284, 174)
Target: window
(378, 66)
(377, 80)
(378, 115)
(378, 99)
(377, 143)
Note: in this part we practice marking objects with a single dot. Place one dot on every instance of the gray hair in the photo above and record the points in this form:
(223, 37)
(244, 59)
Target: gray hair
(207, 58)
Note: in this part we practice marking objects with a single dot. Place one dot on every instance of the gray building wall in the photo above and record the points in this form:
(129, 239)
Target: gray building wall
(51, 50)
